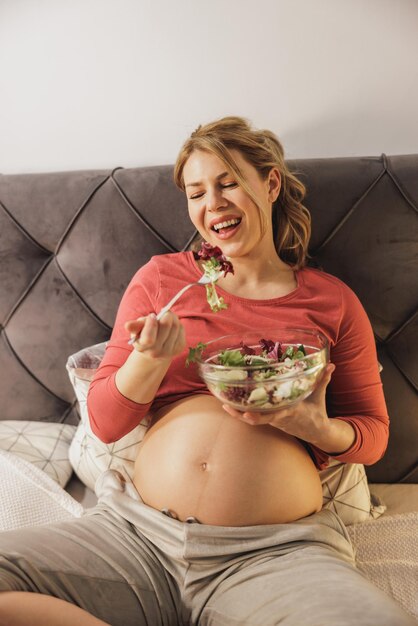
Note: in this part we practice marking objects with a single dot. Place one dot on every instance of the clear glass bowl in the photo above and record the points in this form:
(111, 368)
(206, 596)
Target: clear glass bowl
(269, 385)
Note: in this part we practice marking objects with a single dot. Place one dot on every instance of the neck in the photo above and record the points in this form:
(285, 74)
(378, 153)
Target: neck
(256, 271)
(260, 266)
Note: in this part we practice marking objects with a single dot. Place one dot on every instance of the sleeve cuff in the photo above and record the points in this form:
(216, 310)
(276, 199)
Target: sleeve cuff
(321, 458)
(122, 400)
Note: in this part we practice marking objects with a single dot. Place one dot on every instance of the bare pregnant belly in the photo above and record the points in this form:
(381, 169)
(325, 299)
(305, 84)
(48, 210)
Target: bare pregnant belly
(197, 460)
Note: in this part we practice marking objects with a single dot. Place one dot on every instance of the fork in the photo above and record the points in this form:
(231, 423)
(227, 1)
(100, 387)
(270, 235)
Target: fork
(203, 280)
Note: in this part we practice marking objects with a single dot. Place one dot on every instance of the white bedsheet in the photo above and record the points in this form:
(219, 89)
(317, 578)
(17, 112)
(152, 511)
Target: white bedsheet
(387, 553)
(29, 497)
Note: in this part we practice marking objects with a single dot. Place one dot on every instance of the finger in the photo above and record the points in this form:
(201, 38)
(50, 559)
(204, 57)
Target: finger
(134, 326)
(330, 368)
(171, 342)
(323, 383)
(327, 375)
(231, 411)
(249, 418)
(181, 340)
(164, 330)
(148, 334)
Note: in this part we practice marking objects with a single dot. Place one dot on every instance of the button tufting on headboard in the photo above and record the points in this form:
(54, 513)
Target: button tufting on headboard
(71, 241)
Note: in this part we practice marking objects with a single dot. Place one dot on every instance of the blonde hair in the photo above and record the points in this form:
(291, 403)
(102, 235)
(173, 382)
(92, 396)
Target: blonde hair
(263, 150)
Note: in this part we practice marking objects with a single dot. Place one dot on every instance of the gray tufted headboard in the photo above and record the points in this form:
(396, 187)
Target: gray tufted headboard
(70, 242)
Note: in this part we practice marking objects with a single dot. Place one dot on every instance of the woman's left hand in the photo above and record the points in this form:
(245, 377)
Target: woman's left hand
(307, 419)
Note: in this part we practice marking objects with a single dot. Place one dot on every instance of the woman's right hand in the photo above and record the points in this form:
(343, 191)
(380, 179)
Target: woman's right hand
(161, 339)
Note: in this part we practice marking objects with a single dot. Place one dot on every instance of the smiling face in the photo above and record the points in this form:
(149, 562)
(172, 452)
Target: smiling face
(220, 209)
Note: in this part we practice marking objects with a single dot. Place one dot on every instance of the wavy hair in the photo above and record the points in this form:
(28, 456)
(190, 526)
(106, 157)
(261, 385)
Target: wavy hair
(263, 150)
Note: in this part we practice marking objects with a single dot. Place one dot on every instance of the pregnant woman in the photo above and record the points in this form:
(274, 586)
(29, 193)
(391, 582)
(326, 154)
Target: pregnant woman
(222, 522)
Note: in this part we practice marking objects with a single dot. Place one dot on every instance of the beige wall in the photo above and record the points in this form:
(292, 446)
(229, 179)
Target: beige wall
(100, 83)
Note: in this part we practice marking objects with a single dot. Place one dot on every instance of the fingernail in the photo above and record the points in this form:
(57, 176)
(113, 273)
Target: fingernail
(248, 419)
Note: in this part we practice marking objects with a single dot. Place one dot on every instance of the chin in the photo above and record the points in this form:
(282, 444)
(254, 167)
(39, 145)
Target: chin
(232, 251)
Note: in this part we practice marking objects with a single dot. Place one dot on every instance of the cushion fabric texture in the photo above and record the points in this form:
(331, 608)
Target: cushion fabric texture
(398, 498)
(386, 551)
(345, 491)
(89, 456)
(44, 444)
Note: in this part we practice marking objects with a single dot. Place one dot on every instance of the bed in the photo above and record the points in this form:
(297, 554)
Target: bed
(71, 241)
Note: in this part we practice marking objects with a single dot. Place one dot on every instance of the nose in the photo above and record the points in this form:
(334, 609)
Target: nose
(215, 200)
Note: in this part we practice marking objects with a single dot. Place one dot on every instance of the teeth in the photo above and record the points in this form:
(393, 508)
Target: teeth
(225, 224)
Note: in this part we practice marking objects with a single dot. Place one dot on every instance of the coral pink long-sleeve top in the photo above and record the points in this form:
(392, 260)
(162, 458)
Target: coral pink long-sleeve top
(320, 301)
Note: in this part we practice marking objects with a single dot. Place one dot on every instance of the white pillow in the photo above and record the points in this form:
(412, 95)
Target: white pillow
(44, 444)
(89, 456)
(345, 491)
(344, 486)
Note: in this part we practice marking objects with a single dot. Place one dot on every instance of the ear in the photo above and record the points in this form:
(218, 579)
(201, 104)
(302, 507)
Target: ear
(274, 184)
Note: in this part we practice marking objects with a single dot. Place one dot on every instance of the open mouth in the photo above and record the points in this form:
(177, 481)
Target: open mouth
(226, 228)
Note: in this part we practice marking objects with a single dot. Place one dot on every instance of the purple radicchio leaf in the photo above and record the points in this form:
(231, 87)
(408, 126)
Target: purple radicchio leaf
(246, 349)
(208, 252)
(266, 345)
(276, 353)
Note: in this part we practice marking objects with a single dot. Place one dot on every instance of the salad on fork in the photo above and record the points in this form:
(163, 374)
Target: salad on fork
(214, 263)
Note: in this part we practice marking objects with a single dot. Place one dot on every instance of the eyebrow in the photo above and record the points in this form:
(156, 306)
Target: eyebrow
(200, 183)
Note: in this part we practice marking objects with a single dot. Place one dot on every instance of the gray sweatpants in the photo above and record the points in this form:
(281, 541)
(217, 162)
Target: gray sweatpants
(130, 564)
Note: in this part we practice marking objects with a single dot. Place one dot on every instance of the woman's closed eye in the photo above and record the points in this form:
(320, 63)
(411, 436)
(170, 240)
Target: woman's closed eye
(225, 186)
